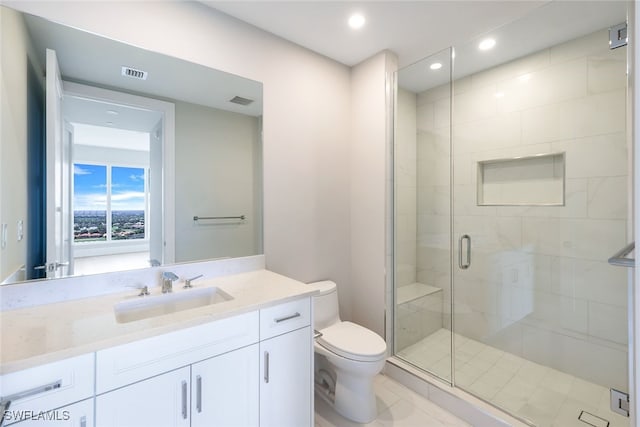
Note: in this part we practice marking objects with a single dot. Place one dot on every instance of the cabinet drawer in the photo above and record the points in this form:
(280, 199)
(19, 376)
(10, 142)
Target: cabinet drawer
(48, 386)
(78, 414)
(285, 317)
(128, 363)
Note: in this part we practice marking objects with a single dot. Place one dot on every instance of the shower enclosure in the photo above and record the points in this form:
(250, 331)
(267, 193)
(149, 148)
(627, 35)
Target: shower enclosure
(512, 181)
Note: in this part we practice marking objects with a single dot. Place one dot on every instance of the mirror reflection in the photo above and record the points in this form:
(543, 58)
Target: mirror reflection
(115, 158)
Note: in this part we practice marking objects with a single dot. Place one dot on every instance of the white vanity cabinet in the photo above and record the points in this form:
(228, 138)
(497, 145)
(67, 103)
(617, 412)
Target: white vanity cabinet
(159, 401)
(251, 369)
(286, 370)
(225, 389)
(220, 391)
(48, 393)
(153, 378)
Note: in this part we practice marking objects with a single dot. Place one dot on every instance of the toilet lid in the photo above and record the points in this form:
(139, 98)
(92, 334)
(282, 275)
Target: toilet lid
(353, 342)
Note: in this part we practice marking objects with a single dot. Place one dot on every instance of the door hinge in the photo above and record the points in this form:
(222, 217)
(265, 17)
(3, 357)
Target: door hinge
(618, 36)
(620, 402)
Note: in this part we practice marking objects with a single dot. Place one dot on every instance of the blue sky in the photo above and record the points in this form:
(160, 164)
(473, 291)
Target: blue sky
(90, 188)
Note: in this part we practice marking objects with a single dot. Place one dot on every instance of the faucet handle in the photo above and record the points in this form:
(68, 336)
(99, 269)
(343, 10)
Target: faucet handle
(144, 290)
(187, 282)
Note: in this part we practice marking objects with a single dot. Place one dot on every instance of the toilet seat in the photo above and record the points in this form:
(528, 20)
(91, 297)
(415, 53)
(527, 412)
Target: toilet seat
(353, 342)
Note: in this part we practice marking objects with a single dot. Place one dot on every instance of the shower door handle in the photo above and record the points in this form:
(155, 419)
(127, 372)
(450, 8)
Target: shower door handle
(464, 265)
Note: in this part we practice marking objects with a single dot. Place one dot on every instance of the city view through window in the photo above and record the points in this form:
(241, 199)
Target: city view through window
(108, 203)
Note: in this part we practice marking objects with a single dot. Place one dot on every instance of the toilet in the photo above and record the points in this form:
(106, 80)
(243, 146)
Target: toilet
(347, 358)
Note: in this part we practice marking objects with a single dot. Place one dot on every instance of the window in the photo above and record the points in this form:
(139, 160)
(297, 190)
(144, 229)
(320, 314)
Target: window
(107, 197)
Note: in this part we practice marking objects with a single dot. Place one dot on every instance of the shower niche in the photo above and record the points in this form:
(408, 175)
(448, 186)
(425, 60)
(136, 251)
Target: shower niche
(522, 181)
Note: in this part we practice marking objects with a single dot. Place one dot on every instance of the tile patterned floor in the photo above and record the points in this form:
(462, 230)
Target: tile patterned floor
(542, 395)
(397, 406)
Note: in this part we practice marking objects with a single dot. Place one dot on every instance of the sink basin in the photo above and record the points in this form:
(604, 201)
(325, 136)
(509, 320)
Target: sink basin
(158, 305)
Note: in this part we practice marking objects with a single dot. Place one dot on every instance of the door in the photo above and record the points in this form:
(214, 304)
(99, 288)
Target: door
(161, 401)
(36, 176)
(225, 389)
(66, 190)
(285, 380)
(540, 202)
(156, 235)
(58, 161)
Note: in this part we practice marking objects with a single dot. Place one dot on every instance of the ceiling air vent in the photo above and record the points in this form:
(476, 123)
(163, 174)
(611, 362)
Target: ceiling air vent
(240, 100)
(134, 74)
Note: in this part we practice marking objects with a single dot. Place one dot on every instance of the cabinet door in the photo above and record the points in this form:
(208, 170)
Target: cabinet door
(285, 380)
(161, 401)
(79, 414)
(225, 390)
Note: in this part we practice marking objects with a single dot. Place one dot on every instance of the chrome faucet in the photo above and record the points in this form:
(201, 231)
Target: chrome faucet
(167, 281)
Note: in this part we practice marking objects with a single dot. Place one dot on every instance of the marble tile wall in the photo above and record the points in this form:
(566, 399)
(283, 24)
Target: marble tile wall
(405, 188)
(539, 285)
(417, 319)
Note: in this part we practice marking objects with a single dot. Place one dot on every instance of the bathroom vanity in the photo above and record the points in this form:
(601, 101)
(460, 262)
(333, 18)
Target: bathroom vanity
(243, 360)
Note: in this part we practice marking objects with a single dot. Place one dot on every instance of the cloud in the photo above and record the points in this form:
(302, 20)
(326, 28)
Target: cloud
(128, 195)
(90, 202)
(77, 170)
(134, 177)
(133, 200)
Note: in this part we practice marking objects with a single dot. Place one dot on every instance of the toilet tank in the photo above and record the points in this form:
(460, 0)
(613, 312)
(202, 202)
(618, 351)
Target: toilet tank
(325, 304)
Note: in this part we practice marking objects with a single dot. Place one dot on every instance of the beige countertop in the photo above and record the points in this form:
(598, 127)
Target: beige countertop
(47, 333)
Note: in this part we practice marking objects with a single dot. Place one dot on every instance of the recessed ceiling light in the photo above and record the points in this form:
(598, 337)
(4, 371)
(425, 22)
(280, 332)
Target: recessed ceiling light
(112, 112)
(356, 21)
(487, 44)
(435, 66)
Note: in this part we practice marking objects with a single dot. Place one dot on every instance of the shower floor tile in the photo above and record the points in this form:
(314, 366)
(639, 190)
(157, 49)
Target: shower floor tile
(544, 396)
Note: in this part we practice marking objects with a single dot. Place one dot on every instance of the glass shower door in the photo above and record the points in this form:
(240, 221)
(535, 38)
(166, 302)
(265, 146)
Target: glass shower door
(422, 164)
(540, 186)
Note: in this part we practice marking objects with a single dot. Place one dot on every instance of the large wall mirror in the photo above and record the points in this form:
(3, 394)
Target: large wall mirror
(116, 158)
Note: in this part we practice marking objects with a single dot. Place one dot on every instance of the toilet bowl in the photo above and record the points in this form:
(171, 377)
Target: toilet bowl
(348, 357)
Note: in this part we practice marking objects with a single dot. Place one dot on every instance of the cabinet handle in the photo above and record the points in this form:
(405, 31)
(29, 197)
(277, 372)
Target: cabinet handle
(199, 393)
(5, 401)
(32, 392)
(266, 367)
(184, 399)
(4, 405)
(285, 318)
(83, 421)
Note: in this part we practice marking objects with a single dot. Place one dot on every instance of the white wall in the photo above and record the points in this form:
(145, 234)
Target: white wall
(119, 157)
(216, 153)
(306, 120)
(16, 46)
(369, 188)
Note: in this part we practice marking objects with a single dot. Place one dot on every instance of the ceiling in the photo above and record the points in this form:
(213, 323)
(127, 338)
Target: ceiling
(411, 29)
(544, 27)
(417, 29)
(85, 57)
